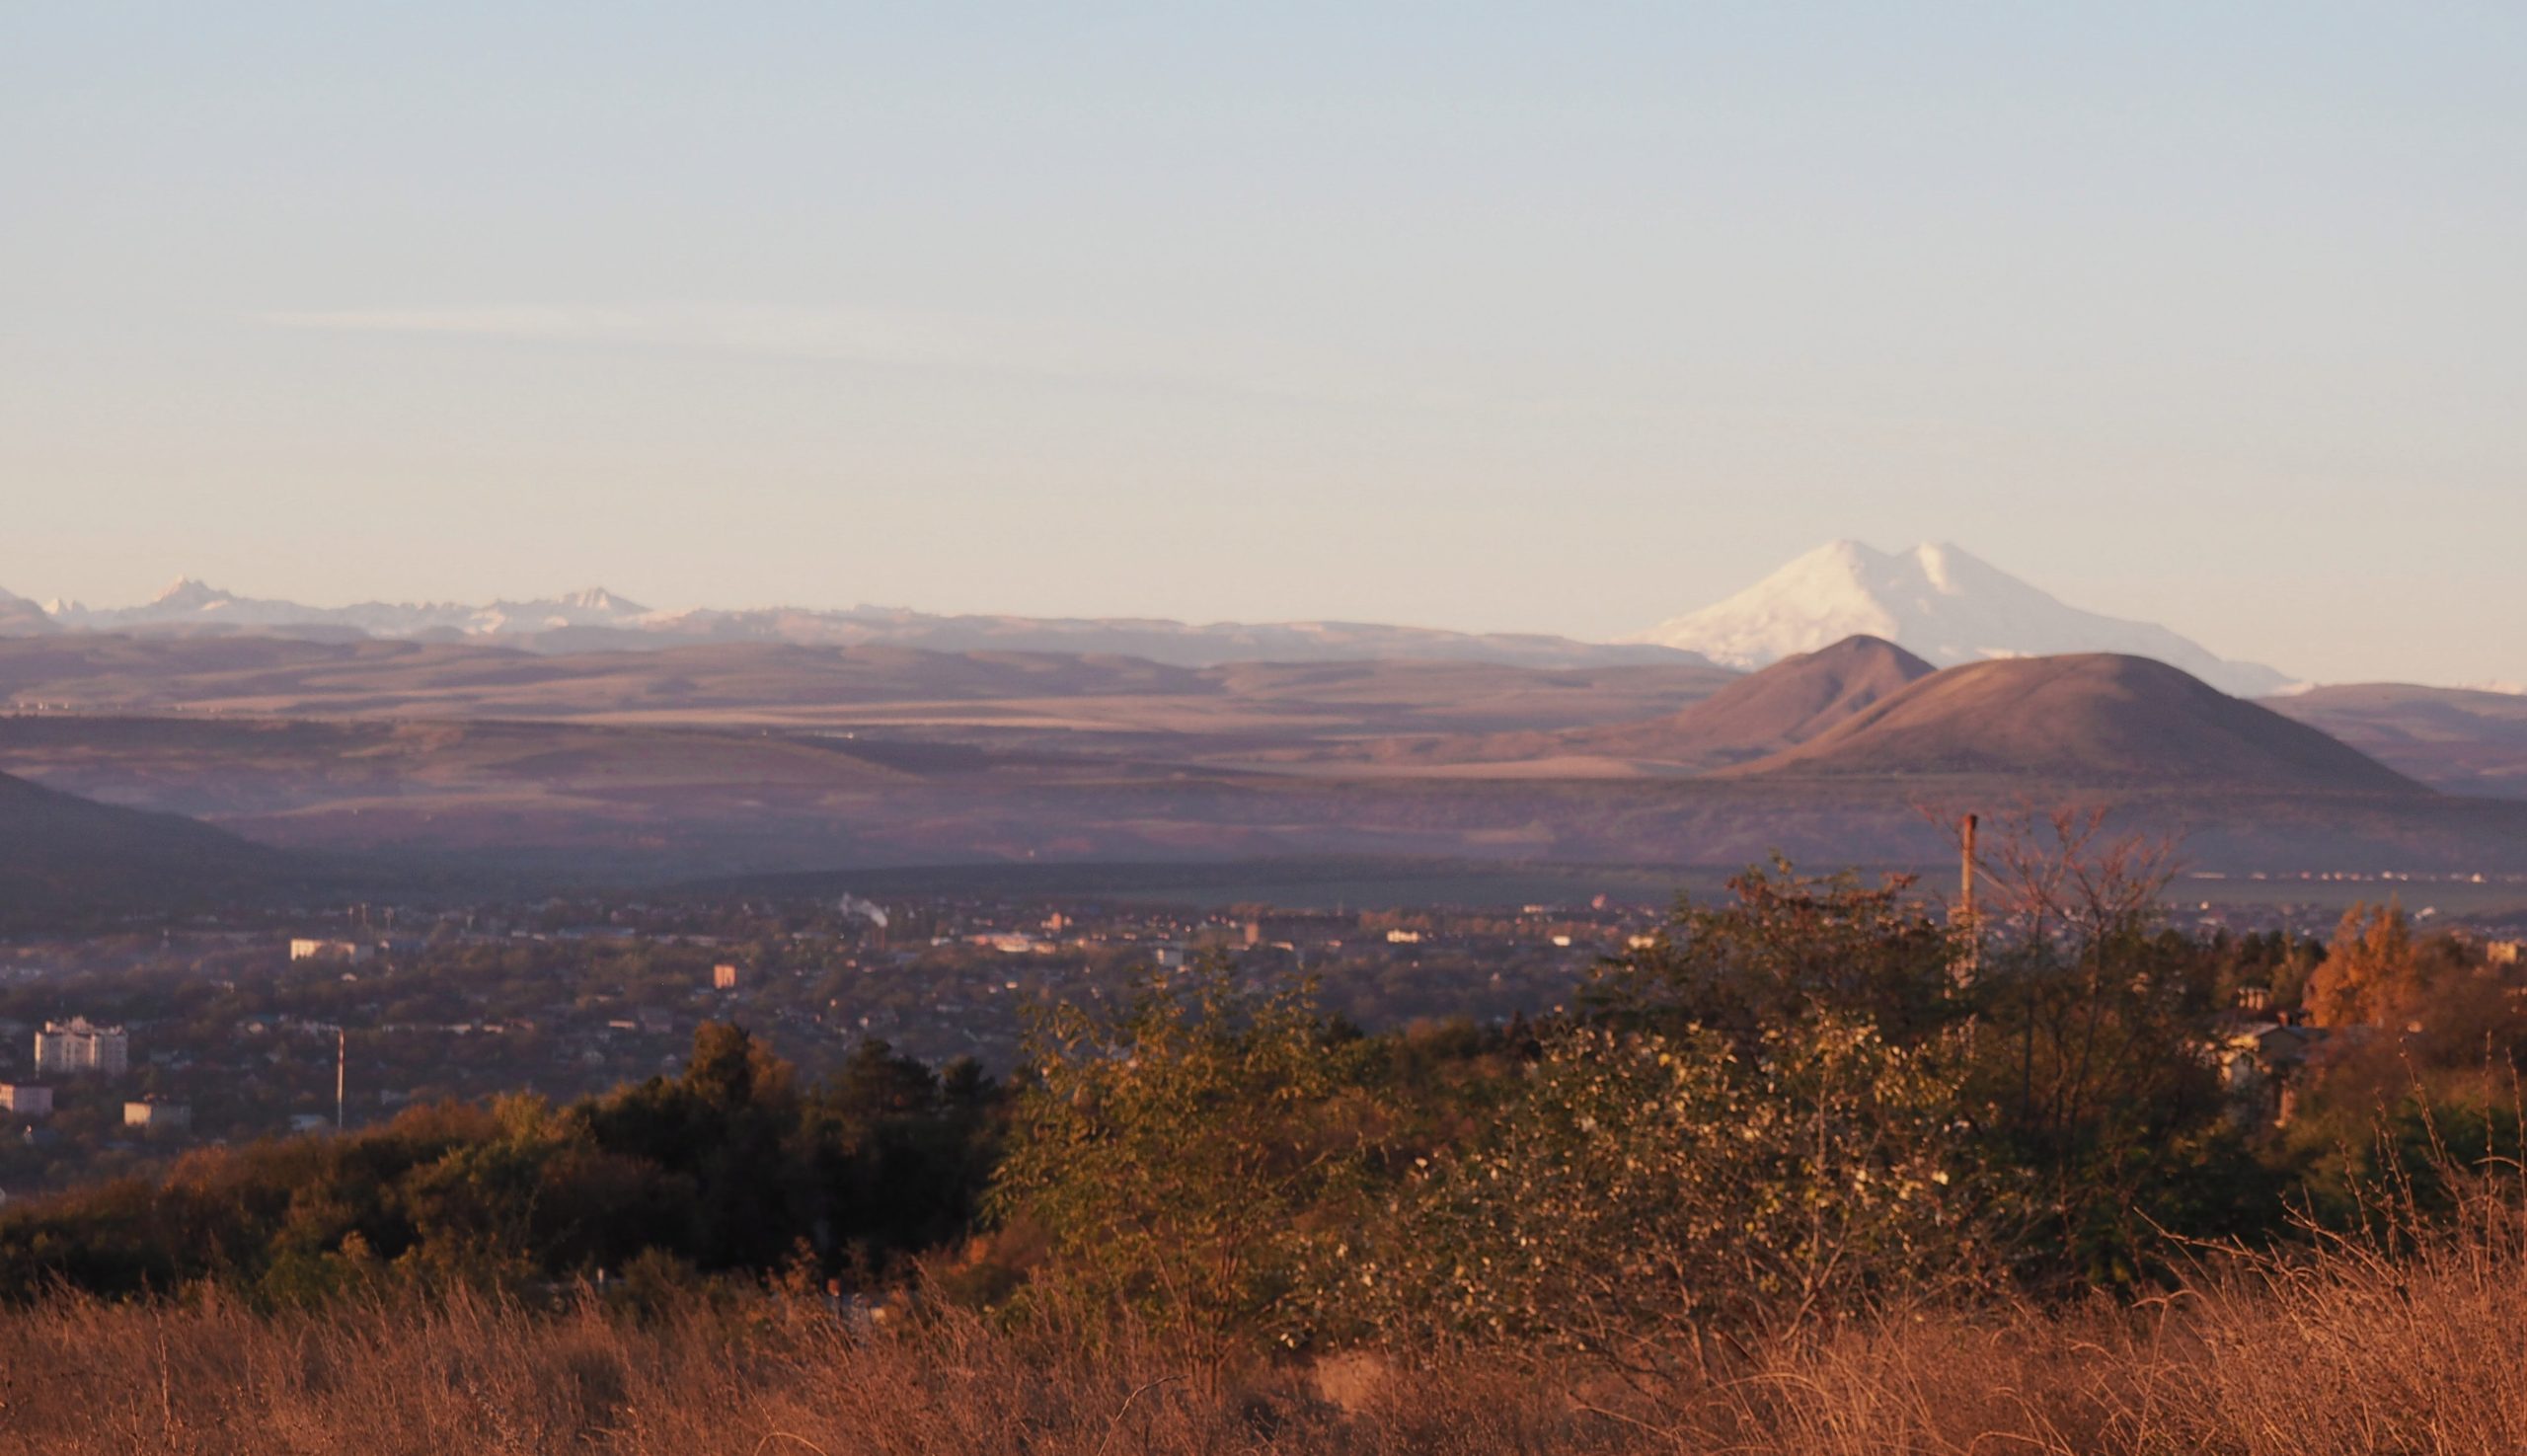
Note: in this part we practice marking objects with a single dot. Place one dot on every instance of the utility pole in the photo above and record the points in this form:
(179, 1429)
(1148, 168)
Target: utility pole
(1972, 963)
(341, 1063)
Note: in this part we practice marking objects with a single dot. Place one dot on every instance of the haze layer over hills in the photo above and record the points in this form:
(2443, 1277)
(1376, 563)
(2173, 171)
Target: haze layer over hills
(775, 684)
(1937, 602)
(586, 737)
(759, 758)
(2459, 740)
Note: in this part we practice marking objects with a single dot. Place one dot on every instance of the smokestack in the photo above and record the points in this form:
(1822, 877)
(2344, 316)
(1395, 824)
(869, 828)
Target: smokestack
(341, 1063)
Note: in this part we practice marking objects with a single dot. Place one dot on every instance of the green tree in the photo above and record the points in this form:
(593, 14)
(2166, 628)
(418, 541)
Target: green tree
(728, 1125)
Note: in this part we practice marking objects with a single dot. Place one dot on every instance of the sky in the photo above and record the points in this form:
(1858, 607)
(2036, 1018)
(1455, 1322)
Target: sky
(1560, 318)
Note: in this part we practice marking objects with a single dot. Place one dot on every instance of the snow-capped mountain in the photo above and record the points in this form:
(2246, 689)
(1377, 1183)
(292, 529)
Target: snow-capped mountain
(599, 619)
(195, 605)
(1937, 600)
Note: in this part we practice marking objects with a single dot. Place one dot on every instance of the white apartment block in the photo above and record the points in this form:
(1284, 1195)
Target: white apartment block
(78, 1046)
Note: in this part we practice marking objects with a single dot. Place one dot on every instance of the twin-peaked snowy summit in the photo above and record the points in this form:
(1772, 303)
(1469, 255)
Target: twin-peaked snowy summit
(1937, 602)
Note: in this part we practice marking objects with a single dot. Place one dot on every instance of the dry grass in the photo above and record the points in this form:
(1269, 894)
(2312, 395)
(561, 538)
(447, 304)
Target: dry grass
(2340, 1351)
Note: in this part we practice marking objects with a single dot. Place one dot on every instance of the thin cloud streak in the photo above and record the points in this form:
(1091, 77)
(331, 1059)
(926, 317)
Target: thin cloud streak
(1065, 355)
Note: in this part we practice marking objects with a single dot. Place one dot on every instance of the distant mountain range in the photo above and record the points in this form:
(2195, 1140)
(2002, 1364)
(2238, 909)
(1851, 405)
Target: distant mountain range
(1937, 602)
(598, 619)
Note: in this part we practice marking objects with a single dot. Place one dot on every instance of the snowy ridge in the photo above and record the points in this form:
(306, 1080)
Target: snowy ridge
(193, 604)
(1937, 601)
(595, 618)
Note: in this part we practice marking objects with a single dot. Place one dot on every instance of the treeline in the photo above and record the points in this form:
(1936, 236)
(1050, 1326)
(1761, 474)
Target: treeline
(728, 1168)
(1817, 1096)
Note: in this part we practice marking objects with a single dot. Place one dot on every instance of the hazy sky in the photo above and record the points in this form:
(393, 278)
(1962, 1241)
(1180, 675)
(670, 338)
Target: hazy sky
(1564, 318)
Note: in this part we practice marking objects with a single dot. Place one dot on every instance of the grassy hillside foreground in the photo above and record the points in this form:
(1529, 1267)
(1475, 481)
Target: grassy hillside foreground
(2347, 1350)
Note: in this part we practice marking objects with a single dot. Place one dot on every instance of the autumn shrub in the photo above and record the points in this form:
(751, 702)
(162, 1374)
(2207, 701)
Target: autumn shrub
(1638, 1189)
(1184, 1158)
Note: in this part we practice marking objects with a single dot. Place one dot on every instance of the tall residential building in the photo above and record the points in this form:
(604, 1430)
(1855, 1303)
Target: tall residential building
(78, 1046)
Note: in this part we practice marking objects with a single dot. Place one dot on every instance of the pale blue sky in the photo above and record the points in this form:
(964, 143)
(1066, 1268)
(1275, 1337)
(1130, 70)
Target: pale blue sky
(1563, 318)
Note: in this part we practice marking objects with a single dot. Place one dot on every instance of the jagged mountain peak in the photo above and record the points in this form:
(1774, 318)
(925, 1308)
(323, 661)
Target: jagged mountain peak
(190, 592)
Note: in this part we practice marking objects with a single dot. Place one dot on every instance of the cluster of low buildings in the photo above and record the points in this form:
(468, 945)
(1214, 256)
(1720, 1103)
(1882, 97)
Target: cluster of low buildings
(74, 1047)
(81, 1047)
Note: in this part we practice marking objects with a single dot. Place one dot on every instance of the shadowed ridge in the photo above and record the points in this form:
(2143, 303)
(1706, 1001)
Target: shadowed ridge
(2086, 718)
(63, 856)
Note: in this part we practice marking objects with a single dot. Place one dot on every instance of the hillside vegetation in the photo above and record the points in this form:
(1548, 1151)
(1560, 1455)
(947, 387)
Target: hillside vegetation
(1810, 1170)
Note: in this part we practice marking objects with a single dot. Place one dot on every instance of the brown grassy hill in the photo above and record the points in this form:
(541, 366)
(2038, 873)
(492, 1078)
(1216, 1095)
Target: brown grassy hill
(1787, 704)
(2451, 738)
(2084, 719)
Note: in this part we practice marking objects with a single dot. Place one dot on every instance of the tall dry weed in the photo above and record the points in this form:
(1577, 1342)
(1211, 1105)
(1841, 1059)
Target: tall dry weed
(2413, 1342)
